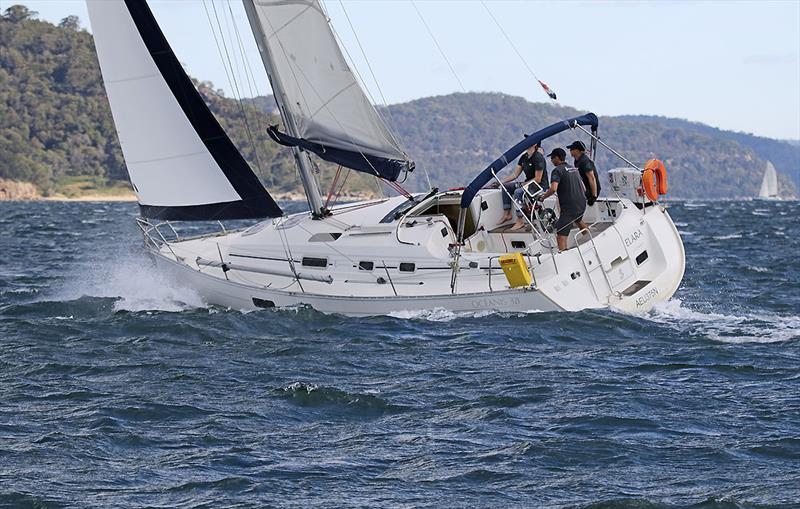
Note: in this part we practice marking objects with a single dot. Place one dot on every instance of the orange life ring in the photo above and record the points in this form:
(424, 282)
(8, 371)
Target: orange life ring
(654, 179)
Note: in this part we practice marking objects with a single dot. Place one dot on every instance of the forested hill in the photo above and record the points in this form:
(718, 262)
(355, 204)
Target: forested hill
(55, 125)
(55, 122)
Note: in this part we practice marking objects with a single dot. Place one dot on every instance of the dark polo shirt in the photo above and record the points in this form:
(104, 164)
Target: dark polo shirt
(586, 165)
(530, 165)
(570, 191)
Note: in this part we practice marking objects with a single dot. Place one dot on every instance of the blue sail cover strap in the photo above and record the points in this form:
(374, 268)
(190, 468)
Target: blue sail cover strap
(388, 169)
(511, 154)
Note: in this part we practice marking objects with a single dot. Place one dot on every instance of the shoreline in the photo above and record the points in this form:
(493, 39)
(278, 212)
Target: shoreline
(88, 197)
(132, 197)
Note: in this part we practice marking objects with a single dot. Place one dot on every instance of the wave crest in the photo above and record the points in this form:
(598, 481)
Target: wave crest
(747, 328)
(312, 395)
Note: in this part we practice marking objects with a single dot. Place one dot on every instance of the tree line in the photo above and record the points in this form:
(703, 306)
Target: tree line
(55, 123)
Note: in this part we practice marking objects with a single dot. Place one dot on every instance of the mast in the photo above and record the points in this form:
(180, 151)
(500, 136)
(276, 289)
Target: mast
(307, 177)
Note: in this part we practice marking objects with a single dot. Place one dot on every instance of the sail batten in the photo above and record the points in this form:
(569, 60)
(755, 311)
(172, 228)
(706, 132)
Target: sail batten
(323, 104)
(181, 162)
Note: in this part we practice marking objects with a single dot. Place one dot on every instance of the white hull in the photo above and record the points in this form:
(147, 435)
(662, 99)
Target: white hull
(634, 259)
(234, 295)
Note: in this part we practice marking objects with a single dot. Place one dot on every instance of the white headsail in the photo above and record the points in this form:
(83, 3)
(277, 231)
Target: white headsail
(313, 83)
(181, 163)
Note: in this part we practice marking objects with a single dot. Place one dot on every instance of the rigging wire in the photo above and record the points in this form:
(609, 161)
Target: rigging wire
(547, 89)
(333, 186)
(369, 66)
(287, 249)
(441, 51)
(400, 189)
(325, 104)
(237, 73)
(341, 188)
(377, 84)
(216, 42)
(251, 83)
(232, 79)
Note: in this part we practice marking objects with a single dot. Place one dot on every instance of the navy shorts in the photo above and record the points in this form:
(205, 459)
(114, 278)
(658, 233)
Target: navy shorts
(564, 224)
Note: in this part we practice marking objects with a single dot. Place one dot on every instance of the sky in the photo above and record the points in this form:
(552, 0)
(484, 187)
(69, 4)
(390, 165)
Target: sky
(729, 64)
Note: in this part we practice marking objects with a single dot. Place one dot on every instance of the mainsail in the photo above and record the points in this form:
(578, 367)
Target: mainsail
(769, 186)
(181, 163)
(325, 109)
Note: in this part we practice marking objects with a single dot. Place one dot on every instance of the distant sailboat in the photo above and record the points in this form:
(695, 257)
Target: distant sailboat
(769, 185)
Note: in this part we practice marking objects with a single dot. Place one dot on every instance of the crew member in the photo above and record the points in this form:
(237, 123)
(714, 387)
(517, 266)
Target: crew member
(587, 169)
(533, 164)
(567, 183)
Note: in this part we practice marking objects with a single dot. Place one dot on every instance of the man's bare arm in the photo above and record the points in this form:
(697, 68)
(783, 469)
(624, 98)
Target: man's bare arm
(550, 192)
(514, 175)
(537, 176)
(593, 182)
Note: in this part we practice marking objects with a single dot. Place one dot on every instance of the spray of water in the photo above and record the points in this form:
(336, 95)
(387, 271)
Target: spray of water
(132, 280)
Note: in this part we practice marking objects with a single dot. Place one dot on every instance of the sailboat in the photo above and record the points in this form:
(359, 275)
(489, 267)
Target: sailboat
(423, 251)
(769, 184)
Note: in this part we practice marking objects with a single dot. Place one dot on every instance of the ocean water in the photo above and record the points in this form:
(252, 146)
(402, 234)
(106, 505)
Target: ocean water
(119, 389)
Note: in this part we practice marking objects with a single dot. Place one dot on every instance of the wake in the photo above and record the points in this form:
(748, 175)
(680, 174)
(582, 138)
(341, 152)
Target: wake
(744, 328)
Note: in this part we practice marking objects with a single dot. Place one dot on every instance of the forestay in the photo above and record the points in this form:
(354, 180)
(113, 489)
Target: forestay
(325, 109)
(181, 163)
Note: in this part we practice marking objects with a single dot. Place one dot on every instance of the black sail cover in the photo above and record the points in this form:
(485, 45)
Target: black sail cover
(389, 169)
(181, 162)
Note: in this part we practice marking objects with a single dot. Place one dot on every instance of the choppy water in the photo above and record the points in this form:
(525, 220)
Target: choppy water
(120, 390)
